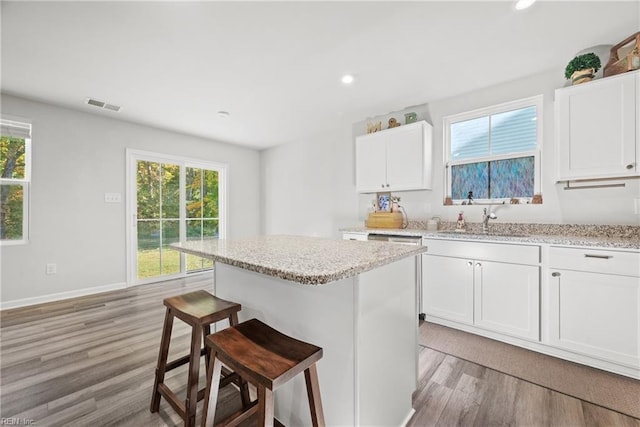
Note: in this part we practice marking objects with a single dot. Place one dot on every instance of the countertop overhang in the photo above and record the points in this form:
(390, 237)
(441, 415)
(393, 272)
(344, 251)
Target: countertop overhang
(302, 259)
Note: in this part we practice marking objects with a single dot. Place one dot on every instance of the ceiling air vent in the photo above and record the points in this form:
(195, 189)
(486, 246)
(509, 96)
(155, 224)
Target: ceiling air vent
(102, 105)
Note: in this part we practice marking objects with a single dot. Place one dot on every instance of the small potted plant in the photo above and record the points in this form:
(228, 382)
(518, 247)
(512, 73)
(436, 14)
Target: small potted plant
(582, 68)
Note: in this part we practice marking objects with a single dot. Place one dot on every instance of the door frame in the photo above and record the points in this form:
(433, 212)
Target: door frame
(132, 157)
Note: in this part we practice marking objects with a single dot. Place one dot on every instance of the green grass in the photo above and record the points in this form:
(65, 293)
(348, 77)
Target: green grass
(149, 262)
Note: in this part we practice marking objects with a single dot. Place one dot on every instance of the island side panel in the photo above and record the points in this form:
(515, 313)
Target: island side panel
(322, 315)
(387, 349)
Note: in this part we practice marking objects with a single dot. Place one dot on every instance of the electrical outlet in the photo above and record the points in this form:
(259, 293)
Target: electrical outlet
(112, 197)
(51, 269)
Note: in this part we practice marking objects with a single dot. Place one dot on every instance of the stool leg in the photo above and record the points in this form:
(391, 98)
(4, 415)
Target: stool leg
(265, 406)
(191, 402)
(206, 331)
(162, 359)
(242, 384)
(313, 392)
(211, 396)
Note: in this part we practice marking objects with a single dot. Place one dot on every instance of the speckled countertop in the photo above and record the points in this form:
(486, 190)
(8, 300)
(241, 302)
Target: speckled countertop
(302, 259)
(605, 236)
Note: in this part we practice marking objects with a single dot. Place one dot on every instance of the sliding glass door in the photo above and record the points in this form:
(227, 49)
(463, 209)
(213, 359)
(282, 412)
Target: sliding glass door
(171, 200)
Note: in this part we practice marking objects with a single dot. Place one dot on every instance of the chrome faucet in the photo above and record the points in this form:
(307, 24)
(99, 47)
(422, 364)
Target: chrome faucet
(485, 220)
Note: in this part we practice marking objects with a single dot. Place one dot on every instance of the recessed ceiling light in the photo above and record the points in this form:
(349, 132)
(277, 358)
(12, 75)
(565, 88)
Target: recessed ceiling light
(223, 114)
(523, 4)
(347, 79)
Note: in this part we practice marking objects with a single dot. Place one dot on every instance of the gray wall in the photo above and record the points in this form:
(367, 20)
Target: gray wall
(335, 154)
(77, 157)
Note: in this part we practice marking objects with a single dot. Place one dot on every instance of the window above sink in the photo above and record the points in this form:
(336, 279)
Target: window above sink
(494, 153)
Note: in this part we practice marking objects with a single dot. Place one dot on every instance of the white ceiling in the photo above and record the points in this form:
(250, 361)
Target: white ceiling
(276, 66)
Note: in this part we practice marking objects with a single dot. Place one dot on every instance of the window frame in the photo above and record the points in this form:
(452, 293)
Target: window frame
(536, 153)
(25, 182)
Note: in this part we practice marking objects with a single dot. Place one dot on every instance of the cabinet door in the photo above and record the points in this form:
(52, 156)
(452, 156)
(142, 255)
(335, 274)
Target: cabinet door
(596, 314)
(371, 163)
(507, 298)
(596, 129)
(406, 158)
(447, 288)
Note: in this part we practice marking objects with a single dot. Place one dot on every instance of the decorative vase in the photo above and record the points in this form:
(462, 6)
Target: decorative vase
(582, 76)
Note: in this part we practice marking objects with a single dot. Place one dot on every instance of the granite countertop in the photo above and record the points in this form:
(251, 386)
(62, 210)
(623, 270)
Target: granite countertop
(302, 259)
(604, 236)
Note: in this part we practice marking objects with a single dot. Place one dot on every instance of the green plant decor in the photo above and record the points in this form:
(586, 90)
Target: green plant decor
(582, 62)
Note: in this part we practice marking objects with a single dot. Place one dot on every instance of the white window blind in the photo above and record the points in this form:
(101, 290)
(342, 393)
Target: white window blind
(502, 133)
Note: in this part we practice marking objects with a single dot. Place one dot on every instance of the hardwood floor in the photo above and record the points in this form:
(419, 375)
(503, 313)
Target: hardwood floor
(90, 362)
(454, 392)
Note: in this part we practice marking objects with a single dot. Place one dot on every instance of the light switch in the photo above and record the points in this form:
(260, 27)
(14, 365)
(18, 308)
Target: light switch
(112, 197)
(51, 269)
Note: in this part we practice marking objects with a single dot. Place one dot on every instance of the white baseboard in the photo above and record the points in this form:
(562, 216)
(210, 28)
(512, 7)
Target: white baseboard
(408, 417)
(24, 302)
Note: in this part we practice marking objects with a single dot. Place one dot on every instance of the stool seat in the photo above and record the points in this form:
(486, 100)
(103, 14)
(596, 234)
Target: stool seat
(198, 309)
(268, 359)
(201, 307)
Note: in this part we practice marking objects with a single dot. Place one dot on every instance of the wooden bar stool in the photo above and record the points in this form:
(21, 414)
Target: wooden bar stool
(198, 309)
(267, 359)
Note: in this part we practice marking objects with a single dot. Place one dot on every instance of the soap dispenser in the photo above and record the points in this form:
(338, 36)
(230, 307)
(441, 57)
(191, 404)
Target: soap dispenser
(460, 225)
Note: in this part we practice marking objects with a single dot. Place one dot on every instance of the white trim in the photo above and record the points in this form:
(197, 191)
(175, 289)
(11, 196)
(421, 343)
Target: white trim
(24, 302)
(408, 417)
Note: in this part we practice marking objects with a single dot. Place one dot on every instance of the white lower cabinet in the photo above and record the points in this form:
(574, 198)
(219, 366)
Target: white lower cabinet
(481, 291)
(594, 304)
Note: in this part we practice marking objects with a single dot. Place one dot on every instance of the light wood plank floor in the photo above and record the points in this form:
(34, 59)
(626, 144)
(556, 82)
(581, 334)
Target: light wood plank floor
(90, 362)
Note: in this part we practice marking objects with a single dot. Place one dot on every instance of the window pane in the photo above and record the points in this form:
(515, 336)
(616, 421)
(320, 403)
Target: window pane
(210, 194)
(170, 257)
(470, 138)
(194, 229)
(194, 192)
(12, 157)
(514, 131)
(11, 212)
(170, 191)
(148, 249)
(210, 228)
(148, 195)
(512, 178)
(470, 177)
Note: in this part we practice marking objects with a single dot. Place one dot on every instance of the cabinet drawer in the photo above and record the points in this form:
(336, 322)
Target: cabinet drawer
(355, 236)
(595, 261)
(502, 252)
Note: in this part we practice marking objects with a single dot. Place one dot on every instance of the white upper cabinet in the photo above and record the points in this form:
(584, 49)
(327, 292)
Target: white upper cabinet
(597, 128)
(394, 159)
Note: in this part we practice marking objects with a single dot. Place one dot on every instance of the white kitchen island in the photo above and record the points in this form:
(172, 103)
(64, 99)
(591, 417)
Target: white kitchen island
(356, 300)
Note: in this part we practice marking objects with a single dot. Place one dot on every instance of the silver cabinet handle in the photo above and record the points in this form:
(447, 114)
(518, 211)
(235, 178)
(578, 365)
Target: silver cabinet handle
(478, 264)
(382, 185)
(470, 263)
(387, 185)
(630, 166)
(598, 256)
(555, 274)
